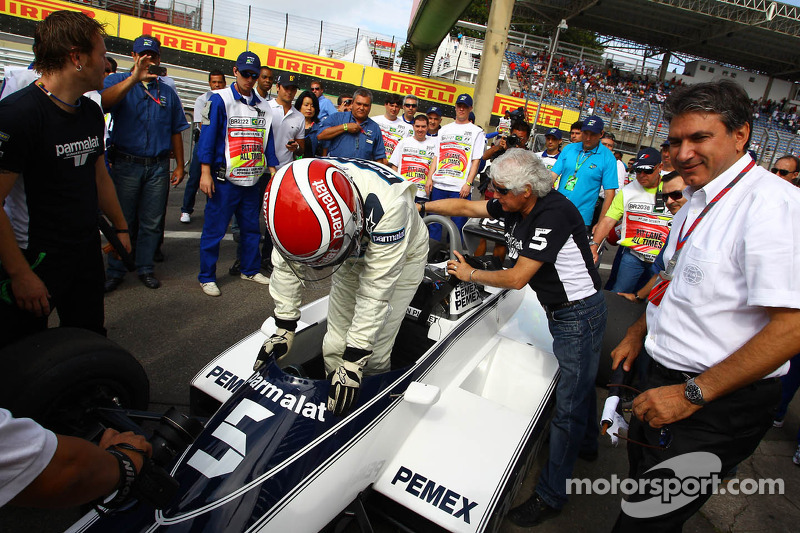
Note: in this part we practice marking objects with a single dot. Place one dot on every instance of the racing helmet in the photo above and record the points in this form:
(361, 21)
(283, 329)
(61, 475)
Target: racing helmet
(313, 212)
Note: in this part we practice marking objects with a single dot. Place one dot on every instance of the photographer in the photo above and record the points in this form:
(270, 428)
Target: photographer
(41, 469)
(518, 138)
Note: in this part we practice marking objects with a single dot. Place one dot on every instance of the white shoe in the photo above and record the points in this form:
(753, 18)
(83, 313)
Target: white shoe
(210, 288)
(777, 423)
(186, 218)
(258, 277)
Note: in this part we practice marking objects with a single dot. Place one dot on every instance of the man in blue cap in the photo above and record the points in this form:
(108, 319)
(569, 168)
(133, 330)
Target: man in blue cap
(236, 151)
(461, 145)
(434, 121)
(148, 121)
(552, 145)
(645, 220)
(584, 167)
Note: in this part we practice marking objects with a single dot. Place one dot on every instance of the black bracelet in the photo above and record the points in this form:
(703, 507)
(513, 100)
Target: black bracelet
(127, 477)
(422, 209)
(121, 231)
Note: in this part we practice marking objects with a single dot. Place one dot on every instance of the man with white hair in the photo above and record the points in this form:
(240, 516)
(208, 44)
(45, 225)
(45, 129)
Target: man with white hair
(547, 242)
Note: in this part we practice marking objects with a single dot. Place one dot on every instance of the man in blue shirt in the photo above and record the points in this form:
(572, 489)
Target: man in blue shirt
(583, 167)
(353, 133)
(326, 107)
(148, 121)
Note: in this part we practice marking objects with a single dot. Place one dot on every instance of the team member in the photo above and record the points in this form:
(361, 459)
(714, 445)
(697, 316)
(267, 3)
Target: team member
(288, 124)
(461, 145)
(583, 168)
(393, 128)
(552, 147)
(410, 105)
(645, 223)
(413, 156)
(374, 233)
(41, 469)
(216, 81)
(148, 121)
(236, 149)
(52, 136)
(547, 243)
(353, 133)
(264, 84)
(434, 121)
(725, 318)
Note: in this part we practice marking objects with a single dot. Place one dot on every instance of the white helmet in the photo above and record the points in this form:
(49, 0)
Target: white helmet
(313, 213)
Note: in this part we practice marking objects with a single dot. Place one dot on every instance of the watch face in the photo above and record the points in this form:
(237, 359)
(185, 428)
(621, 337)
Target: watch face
(693, 393)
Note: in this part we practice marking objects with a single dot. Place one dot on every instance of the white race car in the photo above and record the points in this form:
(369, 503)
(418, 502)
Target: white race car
(443, 440)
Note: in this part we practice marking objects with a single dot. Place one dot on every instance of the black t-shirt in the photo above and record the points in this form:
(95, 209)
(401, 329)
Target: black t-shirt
(553, 233)
(55, 151)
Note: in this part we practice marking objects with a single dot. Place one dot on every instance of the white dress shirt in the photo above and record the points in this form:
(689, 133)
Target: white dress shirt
(742, 257)
(286, 126)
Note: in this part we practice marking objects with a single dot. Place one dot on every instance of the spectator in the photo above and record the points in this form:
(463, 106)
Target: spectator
(582, 168)
(234, 157)
(113, 63)
(461, 145)
(575, 131)
(517, 137)
(326, 107)
(264, 84)
(666, 162)
(787, 167)
(216, 81)
(552, 144)
(733, 321)
(140, 103)
(393, 129)
(434, 121)
(308, 106)
(645, 221)
(353, 133)
(547, 245)
(410, 105)
(52, 194)
(288, 127)
(345, 102)
(41, 469)
(610, 141)
(413, 156)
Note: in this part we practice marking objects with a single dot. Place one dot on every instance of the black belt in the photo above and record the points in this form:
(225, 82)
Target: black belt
(122, 156)
(564, 305)
(672, 375)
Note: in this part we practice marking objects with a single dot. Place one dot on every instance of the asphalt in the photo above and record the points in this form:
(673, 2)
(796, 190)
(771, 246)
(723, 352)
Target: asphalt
(176, 329)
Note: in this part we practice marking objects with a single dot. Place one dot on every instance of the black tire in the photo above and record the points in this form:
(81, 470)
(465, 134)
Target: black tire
(621, 314)
(56, 376)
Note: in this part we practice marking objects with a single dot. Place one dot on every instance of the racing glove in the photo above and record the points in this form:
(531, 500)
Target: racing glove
(346, 380)
(278, 345)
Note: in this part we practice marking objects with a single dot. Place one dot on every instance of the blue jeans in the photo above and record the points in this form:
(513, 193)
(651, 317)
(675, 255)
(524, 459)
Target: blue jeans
(228, 199)
(633, 273)
(435, 230)
(142, 192)
(577, 339)
(192, 184)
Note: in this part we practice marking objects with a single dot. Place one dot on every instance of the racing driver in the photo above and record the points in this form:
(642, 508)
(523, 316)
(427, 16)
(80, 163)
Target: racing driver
(360, 218)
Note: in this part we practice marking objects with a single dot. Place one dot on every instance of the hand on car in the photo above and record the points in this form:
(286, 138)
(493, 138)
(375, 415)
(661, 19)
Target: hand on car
(346, 380)
(278, 345)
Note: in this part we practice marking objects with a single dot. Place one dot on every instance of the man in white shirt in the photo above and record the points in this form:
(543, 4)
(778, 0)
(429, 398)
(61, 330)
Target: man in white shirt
(461, 145)
(725, 317)
(288, 123)
(413, 156)
(393, 128)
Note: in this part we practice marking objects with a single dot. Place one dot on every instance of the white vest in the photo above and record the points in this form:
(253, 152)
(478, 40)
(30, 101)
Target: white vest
(246, 135)
(644, 231)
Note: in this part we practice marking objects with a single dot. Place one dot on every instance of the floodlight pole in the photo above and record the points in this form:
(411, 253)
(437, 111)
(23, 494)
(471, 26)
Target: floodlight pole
(561, 26)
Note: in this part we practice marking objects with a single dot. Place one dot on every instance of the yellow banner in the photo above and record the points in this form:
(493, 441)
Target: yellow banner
(207, 44)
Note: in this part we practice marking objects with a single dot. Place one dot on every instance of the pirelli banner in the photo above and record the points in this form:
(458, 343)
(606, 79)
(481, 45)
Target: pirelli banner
(337, 70)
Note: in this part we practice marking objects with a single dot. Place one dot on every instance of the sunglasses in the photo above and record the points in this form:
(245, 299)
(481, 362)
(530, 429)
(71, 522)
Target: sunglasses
(409, 105)
(674, 195)
(780, 171)
(499, 190)
(315, 89)
(664, 435)
(643, 171)
(253, 75)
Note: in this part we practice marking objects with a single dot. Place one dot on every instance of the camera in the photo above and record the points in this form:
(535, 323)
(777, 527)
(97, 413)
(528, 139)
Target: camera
(512, 141)
(157, 70)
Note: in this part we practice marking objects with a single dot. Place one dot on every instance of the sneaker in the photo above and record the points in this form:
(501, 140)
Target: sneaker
(533, 512)
(796, 457)
(777, 423)
(258, 277)
(186, 218)
(210, 288)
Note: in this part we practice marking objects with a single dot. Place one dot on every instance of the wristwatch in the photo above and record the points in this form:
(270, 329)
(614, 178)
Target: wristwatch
(693, 392)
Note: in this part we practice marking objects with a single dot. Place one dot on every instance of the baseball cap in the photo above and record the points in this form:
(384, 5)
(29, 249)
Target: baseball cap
(647, 159)
(146, 44)
(665, 144)
(553, 132)
(248, 62)
(593, 123)
(287, 80)
(436, 110)
(464, 99)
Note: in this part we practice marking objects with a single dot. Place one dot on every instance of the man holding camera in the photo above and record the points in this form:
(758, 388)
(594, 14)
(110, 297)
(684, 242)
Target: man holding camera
(148, 121)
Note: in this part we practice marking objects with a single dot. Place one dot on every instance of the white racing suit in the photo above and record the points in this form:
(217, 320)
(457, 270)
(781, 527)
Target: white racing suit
(370, 293)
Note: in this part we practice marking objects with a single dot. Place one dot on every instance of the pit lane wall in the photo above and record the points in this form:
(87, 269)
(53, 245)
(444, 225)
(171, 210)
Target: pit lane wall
(205, 46)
